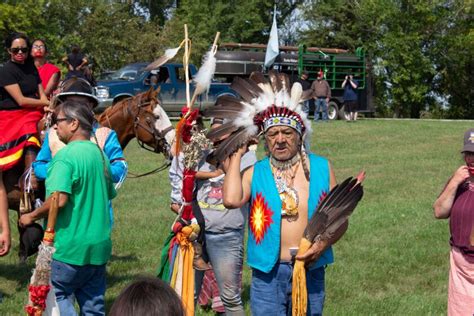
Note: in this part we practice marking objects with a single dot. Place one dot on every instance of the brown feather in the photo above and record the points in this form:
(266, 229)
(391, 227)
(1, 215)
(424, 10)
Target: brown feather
(221, 131)
(285, 82)
(231, 144)
(258, 78)
(248, 90)
(276, 83)
(157, 63)
(229, 111)
(334, 210)
(228, 100)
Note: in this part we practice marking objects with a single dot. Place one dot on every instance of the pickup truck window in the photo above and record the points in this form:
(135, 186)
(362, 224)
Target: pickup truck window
(163, 75)
(180, 74)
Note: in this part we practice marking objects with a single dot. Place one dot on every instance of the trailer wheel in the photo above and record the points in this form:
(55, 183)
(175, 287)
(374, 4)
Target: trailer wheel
(333, 110)
(343, 115)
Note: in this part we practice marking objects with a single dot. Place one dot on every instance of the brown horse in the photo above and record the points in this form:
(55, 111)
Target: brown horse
(140, 116)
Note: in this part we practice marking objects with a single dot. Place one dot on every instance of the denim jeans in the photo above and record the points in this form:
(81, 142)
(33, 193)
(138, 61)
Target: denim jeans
(270, 293)
(306, 107)
(320, 105)
(226, 252)
(86, 283)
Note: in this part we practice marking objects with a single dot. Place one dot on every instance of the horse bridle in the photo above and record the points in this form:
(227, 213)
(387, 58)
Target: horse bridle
(160, 143)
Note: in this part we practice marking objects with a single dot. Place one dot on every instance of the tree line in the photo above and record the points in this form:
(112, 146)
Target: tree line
(421, 51)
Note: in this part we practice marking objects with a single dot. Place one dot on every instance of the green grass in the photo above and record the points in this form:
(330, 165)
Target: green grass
(392, 260)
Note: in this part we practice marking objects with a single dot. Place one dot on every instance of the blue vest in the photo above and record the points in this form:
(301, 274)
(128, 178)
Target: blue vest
(263, 250)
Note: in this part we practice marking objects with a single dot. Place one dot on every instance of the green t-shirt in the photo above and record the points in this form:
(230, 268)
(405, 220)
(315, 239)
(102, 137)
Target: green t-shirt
(83, 224)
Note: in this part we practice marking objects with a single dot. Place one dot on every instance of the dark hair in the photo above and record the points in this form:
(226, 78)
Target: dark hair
(16, 35)
(79, 111)
(75, 48)
(42, 41)
(147, 296)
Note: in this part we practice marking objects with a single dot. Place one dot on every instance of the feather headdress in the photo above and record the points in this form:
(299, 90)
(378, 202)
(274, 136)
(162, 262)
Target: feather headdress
(263, 103)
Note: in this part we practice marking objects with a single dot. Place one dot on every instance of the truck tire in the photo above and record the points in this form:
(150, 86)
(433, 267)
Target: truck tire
(343, 115)
(333, 110)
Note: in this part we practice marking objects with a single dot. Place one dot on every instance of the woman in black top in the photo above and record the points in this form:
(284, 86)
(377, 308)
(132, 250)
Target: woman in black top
(22, 103)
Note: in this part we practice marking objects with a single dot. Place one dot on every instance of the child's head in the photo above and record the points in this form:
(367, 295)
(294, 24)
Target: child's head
(147, 296)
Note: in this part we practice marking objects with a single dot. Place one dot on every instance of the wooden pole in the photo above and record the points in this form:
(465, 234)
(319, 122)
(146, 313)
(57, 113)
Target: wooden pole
(52, 215)
(186, 65)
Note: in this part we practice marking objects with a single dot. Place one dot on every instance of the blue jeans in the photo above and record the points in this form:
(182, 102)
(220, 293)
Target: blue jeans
(226, 252)
(320, 105)
(86, 283)
(270, 293)
(306, 107)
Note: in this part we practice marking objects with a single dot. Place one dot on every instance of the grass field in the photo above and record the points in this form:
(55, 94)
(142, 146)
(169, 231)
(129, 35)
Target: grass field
(392, 261)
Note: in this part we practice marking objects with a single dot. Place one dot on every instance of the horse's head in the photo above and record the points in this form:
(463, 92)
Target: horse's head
(152, 125)
(142, 117)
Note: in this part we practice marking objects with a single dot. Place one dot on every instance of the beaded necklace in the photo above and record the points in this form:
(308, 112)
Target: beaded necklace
(284, 174)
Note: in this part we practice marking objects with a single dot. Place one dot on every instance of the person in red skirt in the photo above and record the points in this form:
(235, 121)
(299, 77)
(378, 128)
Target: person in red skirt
(22, 103)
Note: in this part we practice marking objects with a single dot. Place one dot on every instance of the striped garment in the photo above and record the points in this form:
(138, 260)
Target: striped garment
(18, 129)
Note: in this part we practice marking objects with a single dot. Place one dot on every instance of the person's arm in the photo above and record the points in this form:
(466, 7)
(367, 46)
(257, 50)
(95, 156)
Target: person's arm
(83, 63)
(52, 83)
(344, 82)
(352, 82)
(5, 237)
(204, 175)
(66, 61)
(328, 93)
(114, 153)
(313, 88)
(444, 203)
(15, 92)
(42, 211)
(41, 164)
(236, 189)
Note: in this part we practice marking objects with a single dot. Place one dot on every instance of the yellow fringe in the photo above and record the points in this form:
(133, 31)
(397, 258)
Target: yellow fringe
(299, 296)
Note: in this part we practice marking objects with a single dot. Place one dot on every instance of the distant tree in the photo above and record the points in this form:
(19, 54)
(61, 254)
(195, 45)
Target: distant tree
(238, 21)
(401, 36)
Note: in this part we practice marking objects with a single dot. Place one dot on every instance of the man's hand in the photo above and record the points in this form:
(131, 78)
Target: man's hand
(5, 243)
(327, 101)
(26, 220)
(461, 175)
(314, 252)
(70, 67)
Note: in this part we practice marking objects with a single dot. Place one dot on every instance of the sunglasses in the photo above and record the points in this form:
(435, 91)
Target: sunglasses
(56, 120)
(38, 46)
(16, 50)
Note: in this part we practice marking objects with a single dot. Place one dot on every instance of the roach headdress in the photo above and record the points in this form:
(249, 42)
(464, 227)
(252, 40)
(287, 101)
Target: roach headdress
(262, 104)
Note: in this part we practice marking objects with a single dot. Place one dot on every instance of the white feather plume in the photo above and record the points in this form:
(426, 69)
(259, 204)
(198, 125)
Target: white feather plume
(205, 74)
(169, 54)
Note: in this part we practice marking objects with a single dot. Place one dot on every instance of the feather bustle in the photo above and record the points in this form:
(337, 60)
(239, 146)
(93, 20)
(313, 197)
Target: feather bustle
(275, 81)
(334, 210)
(229, 111)
(246, 89)
(221, 131)
(232, 143)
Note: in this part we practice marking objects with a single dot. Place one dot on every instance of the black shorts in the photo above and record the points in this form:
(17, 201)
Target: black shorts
(350, 106)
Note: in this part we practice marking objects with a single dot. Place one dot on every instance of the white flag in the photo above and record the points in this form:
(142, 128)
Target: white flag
(273, 48)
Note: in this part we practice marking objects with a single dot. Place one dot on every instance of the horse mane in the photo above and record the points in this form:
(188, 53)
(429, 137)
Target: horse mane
(149, 95)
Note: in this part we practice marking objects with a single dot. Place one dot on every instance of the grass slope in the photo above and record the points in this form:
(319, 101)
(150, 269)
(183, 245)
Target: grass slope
(392, 260)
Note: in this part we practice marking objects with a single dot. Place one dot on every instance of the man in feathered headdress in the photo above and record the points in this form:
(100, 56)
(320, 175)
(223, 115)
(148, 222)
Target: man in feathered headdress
(283, 189)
